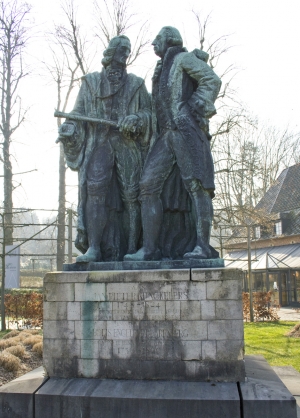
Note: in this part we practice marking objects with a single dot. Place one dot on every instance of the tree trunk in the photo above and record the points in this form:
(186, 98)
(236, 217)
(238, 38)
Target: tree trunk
(60, 257)
(8, 188)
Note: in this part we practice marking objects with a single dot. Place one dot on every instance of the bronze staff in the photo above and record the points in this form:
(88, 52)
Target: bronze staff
(80, 118)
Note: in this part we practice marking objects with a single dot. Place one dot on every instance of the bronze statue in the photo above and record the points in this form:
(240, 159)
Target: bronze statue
(108, 154)
(183, 95)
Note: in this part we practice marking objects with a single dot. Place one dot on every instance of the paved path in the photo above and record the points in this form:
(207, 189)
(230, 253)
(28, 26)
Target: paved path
(290, 376)
(289, 314)
(291, 379)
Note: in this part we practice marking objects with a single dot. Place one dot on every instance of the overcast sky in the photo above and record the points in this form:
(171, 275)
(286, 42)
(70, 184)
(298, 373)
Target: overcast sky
(265, 38)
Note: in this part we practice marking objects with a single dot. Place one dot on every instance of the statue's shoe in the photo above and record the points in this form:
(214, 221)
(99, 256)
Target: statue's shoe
(90, 255)
(198, 253)
(142, 255)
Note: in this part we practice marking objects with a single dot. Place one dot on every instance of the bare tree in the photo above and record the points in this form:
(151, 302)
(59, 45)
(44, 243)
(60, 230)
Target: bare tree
(69, 64)
(248, 161)
(248, 156)
(230, 111)
(114, 18)
(13, 40)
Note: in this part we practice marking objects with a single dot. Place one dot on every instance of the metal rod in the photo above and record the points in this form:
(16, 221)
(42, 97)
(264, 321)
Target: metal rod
(250, 274)
(3, 324)
(35, 239)
(221, 243)
(70, 236)
(82, 118)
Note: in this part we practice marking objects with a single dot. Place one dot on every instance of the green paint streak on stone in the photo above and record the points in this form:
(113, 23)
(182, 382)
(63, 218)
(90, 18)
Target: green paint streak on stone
(106, 298)
(88, 327)
(88, 308)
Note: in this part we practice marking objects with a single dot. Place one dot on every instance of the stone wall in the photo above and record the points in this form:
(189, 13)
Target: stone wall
(158, 324)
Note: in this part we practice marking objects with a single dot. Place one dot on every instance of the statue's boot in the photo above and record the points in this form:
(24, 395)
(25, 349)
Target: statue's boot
(96, 218)
(201, 250)
(204, 212)
(134, 217)
(143, 255)
(152, 213)
(92, 254)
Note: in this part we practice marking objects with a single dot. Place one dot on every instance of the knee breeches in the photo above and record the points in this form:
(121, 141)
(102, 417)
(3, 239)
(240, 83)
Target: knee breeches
(124, 155)
(168, 149)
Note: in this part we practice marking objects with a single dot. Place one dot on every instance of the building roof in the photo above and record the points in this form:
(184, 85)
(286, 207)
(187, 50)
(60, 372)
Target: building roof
(281, 201)
(285, 256)
(284, 194)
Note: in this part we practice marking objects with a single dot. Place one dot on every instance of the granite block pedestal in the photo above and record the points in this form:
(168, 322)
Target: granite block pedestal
(145, 324)
(155, 344)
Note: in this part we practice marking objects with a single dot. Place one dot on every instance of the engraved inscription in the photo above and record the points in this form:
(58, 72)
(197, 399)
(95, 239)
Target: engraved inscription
(151, 333)
(122, 349)
(126, 296)
(147, 292)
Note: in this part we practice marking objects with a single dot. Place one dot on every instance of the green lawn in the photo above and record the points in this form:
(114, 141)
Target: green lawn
(268, 340)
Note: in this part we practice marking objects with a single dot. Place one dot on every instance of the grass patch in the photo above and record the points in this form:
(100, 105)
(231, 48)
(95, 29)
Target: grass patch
(17, 356)
(267, 339)
(9, 362)
(11, 334)
(16, 350)
(32, 340)
(38, 348)
(2, 333)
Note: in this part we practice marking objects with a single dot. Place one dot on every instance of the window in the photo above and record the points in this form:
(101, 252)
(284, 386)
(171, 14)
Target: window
(278, 228)
(260, 282)
(295, 286)
(257, 232)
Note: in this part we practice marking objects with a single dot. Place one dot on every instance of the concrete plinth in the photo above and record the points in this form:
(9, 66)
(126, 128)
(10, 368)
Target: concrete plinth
(93, 398)
(154, 324)
(263, 395)
(17, 397)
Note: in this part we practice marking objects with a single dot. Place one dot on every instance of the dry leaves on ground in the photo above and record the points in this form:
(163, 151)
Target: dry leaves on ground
(294, 332)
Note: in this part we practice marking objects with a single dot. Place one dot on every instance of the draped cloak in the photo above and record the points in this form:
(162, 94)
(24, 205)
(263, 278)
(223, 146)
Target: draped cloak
(95, 99)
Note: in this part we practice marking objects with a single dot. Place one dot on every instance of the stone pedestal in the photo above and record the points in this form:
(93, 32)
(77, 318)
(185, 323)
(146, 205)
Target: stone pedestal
(157, 325)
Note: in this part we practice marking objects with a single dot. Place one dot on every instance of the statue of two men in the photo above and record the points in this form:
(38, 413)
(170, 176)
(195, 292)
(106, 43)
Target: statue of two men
(183, 95)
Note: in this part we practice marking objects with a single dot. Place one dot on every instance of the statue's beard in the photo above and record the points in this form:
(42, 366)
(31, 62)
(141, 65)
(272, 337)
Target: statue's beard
(114, 76)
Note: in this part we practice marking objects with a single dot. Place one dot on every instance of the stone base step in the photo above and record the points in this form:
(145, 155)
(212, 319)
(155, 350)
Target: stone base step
(17, 397)
(263, 395)
(88, 398)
